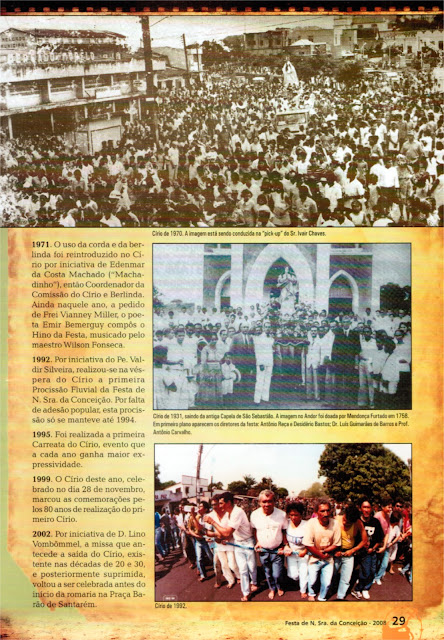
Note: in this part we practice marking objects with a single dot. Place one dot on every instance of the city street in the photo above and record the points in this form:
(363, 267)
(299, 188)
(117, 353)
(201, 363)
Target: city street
(176, 581)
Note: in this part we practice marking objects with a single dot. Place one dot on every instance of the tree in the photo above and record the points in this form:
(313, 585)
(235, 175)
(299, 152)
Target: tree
(234, 43)
(157, 298)
(249, 481)
(357, 470)
(316, 490)
(215, 486)
(265, 483)
(168, 483)
(213, 53)
(350, 71)
(392, 296)
(158, 485)
(237, 486)
(157, 482)
(308, 67)
(249, 486)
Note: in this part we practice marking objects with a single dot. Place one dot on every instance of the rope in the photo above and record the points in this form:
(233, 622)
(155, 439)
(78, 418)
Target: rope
(242, 546)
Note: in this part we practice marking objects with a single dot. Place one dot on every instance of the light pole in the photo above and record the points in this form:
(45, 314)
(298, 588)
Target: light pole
(150, 100)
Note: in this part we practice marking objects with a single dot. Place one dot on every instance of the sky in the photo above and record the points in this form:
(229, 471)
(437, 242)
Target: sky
(185, 260)
(166, 30)
(294, 466)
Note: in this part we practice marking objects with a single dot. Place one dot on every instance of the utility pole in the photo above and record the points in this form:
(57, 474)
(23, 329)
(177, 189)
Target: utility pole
(186, 59)
(199, 61)
(151, 104)
(199, 459)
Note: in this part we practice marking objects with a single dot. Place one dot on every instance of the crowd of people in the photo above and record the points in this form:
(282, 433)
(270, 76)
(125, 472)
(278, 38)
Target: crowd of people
(333, 548)
(274, 355)
(370, 154)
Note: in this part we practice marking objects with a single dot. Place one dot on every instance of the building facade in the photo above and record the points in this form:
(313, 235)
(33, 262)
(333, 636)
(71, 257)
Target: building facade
(83, 84)
(190, 488)
(334, 277)
(337, 40)
(415, 42)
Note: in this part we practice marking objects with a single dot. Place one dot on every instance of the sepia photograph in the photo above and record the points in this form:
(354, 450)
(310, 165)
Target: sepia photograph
(222, 121)
(285, 522)
(282, 326)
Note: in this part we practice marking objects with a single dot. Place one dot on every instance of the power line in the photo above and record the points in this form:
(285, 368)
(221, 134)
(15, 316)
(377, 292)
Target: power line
(210, 449)
(161, 20)
(240, 30)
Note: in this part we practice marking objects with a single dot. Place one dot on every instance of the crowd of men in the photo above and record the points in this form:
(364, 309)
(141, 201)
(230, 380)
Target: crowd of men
(341, 548)
(263, 357)
(371, 154)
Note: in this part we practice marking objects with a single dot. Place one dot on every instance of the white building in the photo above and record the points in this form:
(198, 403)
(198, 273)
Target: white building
(189, 488)
(413, 42)
(84, 84)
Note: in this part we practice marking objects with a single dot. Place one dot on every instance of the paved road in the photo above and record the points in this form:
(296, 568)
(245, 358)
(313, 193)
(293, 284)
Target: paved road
(176, 581)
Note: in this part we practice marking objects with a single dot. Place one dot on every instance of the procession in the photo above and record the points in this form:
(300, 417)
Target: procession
(268, 544)
(238, 145)
(276, 349)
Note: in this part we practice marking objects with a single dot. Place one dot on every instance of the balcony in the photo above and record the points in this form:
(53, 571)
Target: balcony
(33, 98)
(52, 70)
(23, 100)
(63, 95)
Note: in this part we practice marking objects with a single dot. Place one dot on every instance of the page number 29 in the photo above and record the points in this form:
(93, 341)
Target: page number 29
(398, 622)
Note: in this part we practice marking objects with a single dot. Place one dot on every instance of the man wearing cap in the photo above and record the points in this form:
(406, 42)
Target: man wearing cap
(411, 148)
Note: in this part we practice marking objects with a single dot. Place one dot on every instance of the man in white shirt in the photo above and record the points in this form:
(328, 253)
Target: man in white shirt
(183, 317)
(382, 322)
(269, 526)
(173, 161)
(367, 355)
(263, 350)
(181, 520)
(333, 192)
(313, 360)
(353, 188)
(190, 345)
(403, 348)
(240, 530)
(176, 356)
(224, 560)
(325, 370)
(388, 177)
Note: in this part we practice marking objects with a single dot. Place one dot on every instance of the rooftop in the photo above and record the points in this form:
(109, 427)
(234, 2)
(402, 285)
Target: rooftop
(63, 33)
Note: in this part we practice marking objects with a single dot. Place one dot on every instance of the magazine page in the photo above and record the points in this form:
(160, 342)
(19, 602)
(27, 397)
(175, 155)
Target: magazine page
(212, 393)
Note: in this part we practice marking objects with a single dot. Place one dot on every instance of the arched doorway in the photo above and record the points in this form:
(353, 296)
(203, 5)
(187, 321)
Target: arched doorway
(343, 294)
(269, 264)
(276, 271)
(222, 293)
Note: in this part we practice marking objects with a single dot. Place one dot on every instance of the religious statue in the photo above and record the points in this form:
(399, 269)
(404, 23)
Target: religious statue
(288, 285)
(290, 75)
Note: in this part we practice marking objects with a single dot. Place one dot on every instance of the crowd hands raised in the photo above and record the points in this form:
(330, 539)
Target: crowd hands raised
(274, 356)
(371, 154)
(321, 546)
